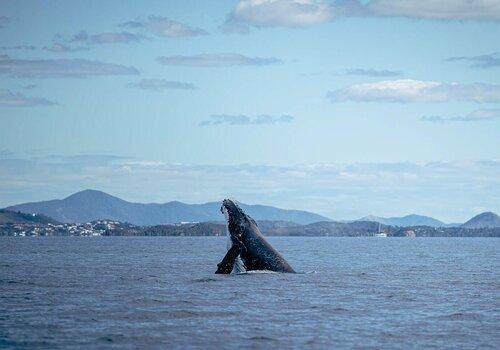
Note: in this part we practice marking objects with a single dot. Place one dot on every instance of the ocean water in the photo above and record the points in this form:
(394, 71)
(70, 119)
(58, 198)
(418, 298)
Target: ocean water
(161, 292)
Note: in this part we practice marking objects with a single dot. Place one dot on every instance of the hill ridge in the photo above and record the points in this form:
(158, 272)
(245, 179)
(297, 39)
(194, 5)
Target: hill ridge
(89, 205)
(406, 220)
(482, 220)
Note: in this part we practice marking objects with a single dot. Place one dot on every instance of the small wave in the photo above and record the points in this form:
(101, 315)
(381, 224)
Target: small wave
(177, 314)
(112, 338)
(338, 310)
(143, 301)
(313, 272)
(460, 316)
(262, 338)
(27, 283)
(205, 279)
(329, 309)
(256, 272)
(264, 272)
(201, 314)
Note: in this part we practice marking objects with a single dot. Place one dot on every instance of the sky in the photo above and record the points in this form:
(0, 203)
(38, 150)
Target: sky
(345, 108)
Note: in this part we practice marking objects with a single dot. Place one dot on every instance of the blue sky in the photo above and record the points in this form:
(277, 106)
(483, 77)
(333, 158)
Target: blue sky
(344, 108)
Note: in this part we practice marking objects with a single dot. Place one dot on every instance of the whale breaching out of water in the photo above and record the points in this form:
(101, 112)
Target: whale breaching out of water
(247, 248)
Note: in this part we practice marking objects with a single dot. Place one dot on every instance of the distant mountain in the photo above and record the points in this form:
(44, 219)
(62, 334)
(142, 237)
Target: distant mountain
(89, 205)
(13, 217)
(408, 220)
(487, 219)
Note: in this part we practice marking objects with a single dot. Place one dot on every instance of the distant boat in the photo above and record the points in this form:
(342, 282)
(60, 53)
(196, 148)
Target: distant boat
(380, 233)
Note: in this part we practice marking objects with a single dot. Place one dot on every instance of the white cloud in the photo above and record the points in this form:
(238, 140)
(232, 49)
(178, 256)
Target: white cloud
(373, 72)
(217, 60)
(273, 13)
(306, 13)
(433, 119)
(106, 38)
(60, 68)
(474, 116)
(59, 47)
(164, 27)
(18, 47)
(437, 9)
(245, 120)
(161, 85)
(406, 90)
(13, 99)
(481, 61)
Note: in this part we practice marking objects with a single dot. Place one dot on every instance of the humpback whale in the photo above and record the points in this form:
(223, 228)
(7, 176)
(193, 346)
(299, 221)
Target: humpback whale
(247, 247)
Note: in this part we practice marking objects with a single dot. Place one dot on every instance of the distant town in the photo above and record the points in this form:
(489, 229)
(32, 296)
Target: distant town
(95, 228)
(268, 228)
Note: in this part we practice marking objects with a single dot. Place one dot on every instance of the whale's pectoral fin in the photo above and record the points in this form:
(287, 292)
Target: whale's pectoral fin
(227, 264)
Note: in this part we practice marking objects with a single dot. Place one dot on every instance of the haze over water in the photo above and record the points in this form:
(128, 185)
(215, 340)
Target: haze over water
(157, 292)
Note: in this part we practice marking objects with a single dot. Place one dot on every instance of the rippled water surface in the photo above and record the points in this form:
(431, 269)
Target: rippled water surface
(145, 292)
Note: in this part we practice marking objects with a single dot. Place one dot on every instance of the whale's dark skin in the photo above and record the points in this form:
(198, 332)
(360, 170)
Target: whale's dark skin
(249, 244)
